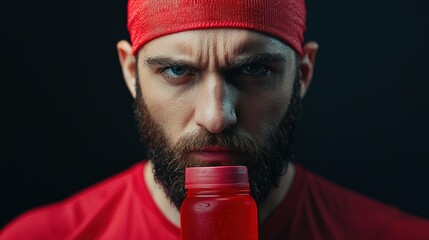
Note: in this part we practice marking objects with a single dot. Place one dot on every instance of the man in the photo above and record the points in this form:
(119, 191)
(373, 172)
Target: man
(217, 83)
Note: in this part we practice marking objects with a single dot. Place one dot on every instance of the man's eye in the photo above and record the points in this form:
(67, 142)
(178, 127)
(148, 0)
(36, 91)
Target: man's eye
(175, 71)
(254, 69)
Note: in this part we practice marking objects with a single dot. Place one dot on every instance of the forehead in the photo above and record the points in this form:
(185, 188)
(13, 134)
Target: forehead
(216, 42)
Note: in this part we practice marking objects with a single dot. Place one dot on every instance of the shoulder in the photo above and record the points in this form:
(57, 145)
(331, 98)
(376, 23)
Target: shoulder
(358, 213)
(60, 219)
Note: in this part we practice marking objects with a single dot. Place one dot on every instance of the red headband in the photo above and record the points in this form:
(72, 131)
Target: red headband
(150, 19)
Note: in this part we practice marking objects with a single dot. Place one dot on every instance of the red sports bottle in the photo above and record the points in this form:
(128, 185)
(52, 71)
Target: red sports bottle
(218, 205)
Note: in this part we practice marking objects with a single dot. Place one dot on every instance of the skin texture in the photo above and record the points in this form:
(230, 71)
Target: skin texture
(207, 82)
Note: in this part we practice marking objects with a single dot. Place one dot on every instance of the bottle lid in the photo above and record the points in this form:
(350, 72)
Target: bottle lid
(217, 177)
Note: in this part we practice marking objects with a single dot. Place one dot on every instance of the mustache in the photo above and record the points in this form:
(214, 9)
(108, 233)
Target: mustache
(231, 139)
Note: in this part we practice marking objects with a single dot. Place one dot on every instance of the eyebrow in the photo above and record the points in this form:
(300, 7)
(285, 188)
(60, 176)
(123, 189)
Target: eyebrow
(258, 58)
(167, 61)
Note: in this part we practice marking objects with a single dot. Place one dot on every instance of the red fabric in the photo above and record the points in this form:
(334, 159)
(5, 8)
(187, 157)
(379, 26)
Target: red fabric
(318, 209)
(118, 208)
(283, 19)
(121, 208)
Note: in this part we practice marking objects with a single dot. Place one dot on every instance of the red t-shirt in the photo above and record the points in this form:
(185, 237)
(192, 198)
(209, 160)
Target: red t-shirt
(121, 208)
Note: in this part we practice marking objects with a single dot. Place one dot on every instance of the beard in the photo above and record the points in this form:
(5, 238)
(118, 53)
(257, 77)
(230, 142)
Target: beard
(266, 161)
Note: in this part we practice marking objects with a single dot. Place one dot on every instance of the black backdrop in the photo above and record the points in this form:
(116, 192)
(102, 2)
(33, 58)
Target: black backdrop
(66, 118)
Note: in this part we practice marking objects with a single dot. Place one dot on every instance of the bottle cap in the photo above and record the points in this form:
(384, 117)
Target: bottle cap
(217, 177)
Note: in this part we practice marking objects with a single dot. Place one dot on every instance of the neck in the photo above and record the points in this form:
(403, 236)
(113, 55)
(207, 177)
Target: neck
(264, 210)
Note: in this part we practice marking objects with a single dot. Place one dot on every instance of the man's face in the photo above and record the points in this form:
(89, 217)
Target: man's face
(217, 97)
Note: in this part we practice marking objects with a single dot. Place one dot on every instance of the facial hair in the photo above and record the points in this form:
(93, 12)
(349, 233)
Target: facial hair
(266, 162)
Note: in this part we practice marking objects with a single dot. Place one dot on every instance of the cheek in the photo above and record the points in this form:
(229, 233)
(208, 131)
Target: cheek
(260, 117)
(259, 114)
(170, 111)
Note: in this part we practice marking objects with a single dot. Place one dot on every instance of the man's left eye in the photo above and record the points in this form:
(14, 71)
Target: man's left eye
(175, 71)
(254, 69)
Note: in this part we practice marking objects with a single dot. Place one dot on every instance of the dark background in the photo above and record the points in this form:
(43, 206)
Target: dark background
(66, 116)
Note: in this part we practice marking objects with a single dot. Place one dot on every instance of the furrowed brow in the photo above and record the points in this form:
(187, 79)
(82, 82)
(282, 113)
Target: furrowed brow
(259, 58)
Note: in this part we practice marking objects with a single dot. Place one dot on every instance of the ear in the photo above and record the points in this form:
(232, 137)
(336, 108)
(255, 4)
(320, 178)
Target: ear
(307, 65)
(128, 65)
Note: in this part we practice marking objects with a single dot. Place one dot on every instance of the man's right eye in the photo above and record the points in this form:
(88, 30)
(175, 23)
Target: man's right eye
(175, 71)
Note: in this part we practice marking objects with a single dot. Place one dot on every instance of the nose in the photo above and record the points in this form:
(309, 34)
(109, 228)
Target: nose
(215, 108)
